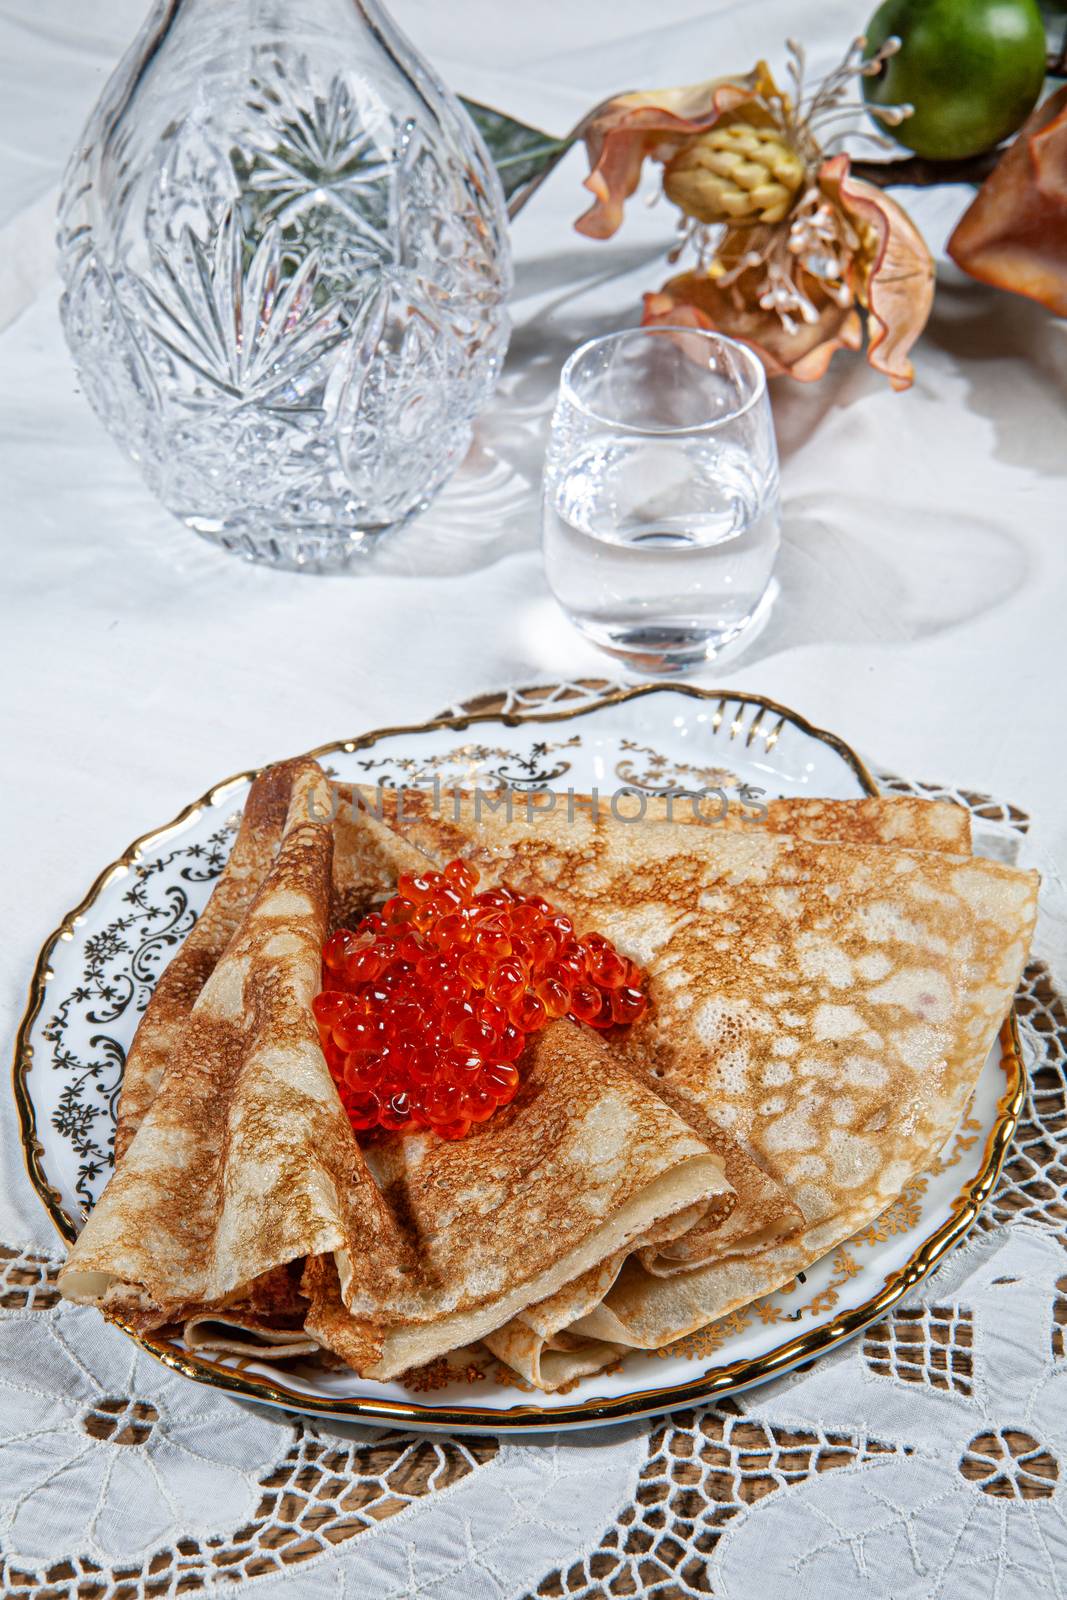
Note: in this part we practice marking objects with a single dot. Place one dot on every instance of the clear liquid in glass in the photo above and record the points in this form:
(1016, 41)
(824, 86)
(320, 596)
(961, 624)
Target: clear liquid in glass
(661, 551)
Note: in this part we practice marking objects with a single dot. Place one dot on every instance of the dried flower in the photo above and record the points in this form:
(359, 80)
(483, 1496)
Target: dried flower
(734, 173)
(794, 255)
(1014, 233)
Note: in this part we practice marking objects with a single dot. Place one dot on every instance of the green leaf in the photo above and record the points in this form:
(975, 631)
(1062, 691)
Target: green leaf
(520, 153)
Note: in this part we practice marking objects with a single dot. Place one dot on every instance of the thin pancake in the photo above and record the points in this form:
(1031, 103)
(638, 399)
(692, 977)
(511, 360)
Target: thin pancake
(245, 1159)
(543, 1343)
(831, 1004)
(379, 834)
(845, 1066)
(268, 1316)
(903, 820)
(605, 871)
(538, 1344)
(259, 837)
(582, 1163)
(182, 979)
(245, 1162)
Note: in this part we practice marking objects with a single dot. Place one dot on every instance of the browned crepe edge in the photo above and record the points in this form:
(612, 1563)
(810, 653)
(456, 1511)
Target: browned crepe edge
(184, 976)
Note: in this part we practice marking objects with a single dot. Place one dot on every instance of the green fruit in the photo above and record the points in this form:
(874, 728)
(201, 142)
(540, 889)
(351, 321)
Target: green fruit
(973, 70)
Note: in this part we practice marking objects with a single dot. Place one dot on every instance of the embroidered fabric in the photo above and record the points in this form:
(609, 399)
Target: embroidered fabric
(928, 1458)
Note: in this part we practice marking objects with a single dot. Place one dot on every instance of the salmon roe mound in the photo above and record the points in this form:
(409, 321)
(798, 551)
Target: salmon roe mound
(427, 1004)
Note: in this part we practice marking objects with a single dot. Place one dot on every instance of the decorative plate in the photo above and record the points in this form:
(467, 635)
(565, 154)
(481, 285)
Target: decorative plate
(96, 973)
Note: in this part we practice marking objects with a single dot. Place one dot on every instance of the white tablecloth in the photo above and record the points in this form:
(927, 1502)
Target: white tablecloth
(923, 580)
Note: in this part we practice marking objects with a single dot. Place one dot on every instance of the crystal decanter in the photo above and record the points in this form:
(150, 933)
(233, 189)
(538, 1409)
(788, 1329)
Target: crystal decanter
(285, 259)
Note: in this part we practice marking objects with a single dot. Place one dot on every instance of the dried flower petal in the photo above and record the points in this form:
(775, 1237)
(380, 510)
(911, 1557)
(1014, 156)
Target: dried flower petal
(657, 122)
(1014, 233)
(896, 281)
(794, 292)
(795, 256)
(695, 300)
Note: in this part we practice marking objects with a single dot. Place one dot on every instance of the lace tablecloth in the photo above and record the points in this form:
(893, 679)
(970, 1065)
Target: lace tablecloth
(922, 580)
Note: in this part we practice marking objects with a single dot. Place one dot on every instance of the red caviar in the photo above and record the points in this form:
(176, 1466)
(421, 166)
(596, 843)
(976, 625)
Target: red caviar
(426, 1005)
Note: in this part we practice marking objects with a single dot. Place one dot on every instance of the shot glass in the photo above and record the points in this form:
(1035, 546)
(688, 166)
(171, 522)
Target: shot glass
(660, 501)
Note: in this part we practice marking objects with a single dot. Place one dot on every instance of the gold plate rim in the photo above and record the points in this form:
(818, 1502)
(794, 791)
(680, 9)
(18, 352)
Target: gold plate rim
(716, 1381)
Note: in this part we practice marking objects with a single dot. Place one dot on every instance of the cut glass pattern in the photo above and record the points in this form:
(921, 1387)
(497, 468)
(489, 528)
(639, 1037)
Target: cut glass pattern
(284, 281)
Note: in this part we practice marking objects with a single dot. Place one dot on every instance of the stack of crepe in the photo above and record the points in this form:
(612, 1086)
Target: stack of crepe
(825, 985)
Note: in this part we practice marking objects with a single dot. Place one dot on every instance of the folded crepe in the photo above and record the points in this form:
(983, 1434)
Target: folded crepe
(372, 848)
(606, 1208)
(244, 1163)
(829, 1004)
(270, 1310)
(539, 1343)
(903, 820)
(515, 838)
(845, 1062)
(582, 1164)
(181, 981)
(267, 1319)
